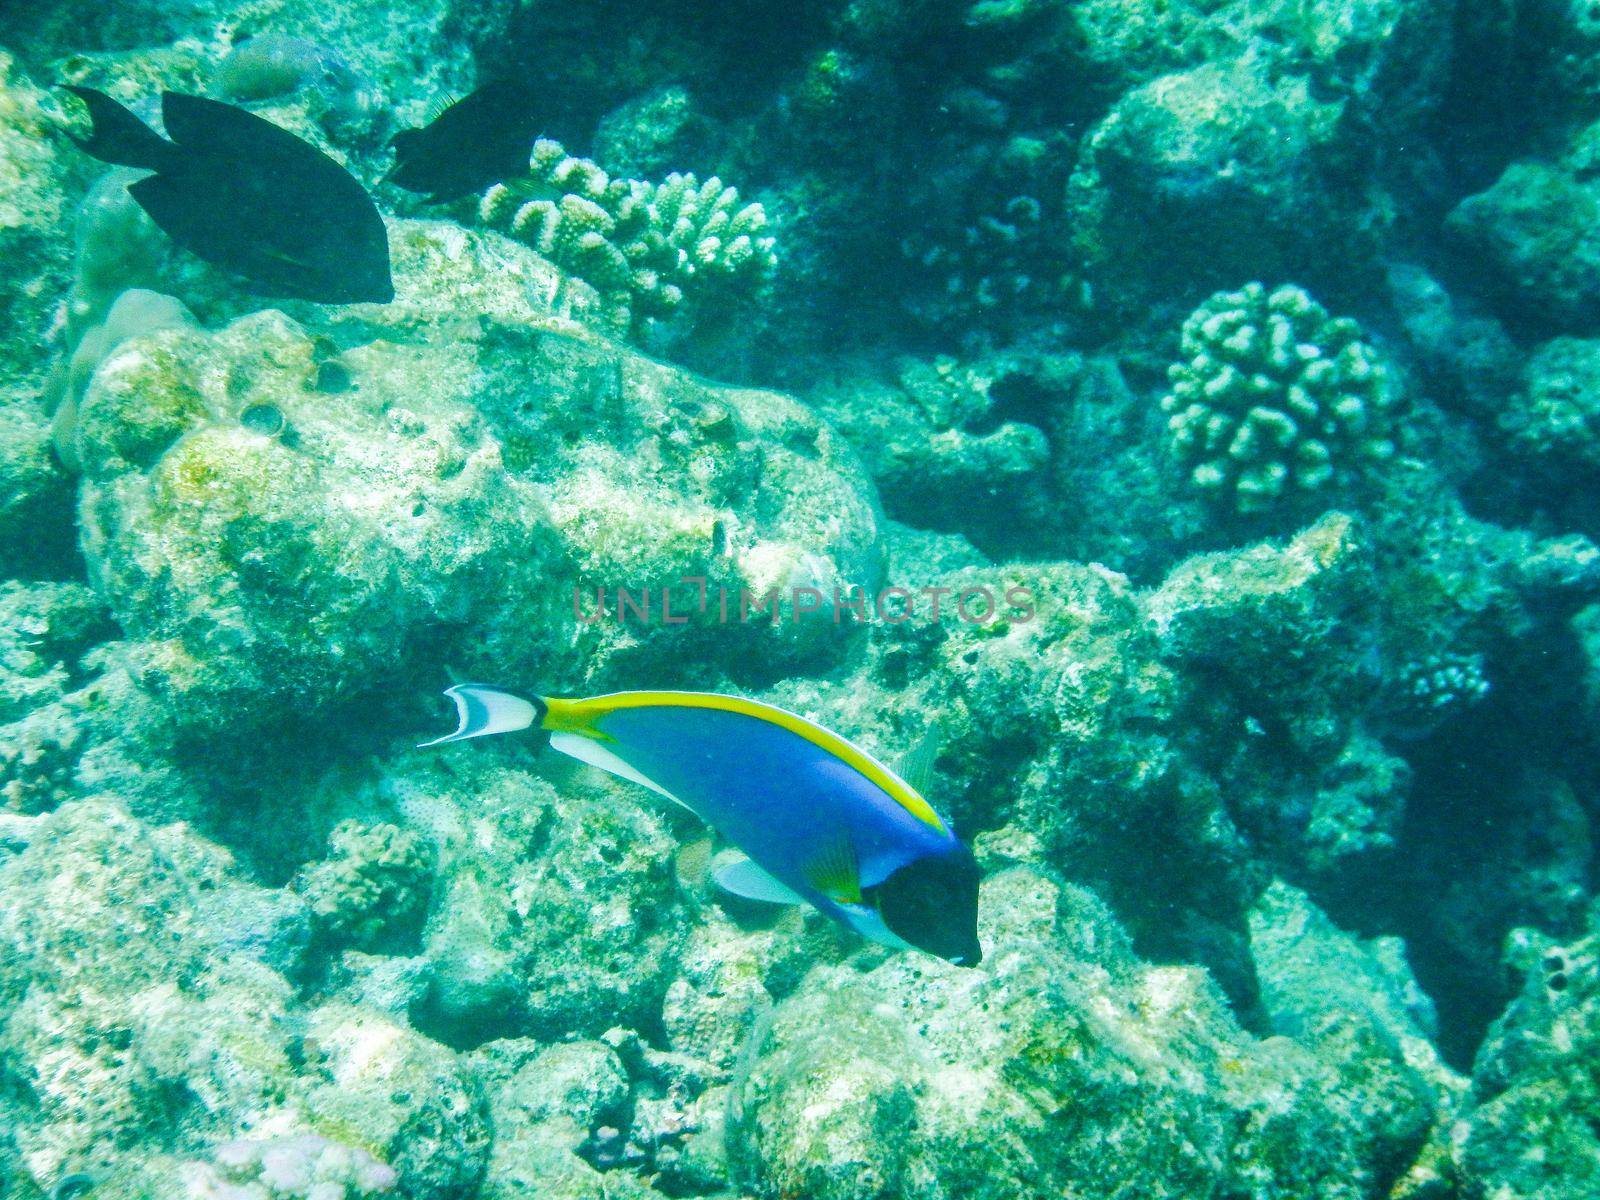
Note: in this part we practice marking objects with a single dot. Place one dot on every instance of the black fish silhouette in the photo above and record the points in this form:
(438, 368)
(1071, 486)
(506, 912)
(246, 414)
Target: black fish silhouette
(482, 139)
(250, 197)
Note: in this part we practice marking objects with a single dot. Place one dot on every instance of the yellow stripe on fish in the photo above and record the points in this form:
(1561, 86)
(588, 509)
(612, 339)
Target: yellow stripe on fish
(580, 716)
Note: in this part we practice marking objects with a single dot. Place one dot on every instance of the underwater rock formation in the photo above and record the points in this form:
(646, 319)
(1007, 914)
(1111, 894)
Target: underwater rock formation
(1104, 1073)
(1527, 1130)
(307, 1166)
(1286, 815)
(606, 472)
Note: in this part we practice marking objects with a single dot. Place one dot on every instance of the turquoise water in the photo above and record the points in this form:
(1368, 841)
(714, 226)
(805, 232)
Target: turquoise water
(1142, 453)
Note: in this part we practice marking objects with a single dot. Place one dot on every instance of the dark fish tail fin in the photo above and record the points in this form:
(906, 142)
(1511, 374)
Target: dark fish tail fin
(119, 137)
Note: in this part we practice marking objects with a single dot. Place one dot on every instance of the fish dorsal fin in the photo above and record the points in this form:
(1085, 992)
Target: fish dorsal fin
(853, 756)
(212, 127)
(741, 877)
(587, 749)
(833, 871)
(441, 104)
(916, 764)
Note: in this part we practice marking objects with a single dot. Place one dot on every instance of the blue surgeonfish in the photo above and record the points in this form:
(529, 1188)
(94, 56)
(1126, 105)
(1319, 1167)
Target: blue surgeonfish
(820, 819)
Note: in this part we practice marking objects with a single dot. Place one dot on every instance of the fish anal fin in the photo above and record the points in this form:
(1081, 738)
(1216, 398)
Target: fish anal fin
(588, 749)
(741, 877)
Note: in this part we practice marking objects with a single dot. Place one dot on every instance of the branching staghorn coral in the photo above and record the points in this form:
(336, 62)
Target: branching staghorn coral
(1274, 395)
(653, 251)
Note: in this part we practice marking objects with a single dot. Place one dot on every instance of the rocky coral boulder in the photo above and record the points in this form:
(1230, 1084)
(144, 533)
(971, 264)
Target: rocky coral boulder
(1531, 236)
(943, 448)
(1063, 1067)
(288, 517)
(144, 1027)
(557, 911)
(1531, 1127)
(1553, 419)
(1232, 167)
(35, 219)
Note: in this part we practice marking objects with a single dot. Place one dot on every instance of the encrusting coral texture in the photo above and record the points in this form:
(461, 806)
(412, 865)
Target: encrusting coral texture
(1256, 654)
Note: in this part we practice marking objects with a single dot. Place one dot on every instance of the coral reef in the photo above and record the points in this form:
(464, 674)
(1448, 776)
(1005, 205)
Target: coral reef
(1279, 764)
(1532, 234)
(203, 531)
(1076, 1051)
(308, 1166)
(648, 249)
(1274, 396)
(1525, 1132)
(373, 884)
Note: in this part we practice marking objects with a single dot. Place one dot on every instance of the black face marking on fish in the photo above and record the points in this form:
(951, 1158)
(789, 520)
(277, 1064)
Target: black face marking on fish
(933, 904)
(472, 143)
(250, 197)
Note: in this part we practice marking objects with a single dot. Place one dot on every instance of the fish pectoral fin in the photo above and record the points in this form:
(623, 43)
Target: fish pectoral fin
(869, 923)
(833, 871)
(586, 748)
(483, 710)
(741, 877)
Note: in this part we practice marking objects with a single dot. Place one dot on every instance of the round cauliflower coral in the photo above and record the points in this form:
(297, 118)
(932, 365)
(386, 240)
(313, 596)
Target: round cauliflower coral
(1273, 396)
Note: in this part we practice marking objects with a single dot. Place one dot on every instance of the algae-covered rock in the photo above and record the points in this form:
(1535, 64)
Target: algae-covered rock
(37, 536)
(286, 519)
(1530, 1128)
(547, 1103)
(34, 219)
(1532, 233)
(406, 1098)
(102, 920)
(942, 447)
(1554, 418)
(1283, 628)
(1065, 1067)
(373, 885)
(1232, 168)
(555, 912)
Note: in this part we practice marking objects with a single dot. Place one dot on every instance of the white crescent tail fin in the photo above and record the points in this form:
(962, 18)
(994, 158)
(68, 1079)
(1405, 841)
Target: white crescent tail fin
(484, 710)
